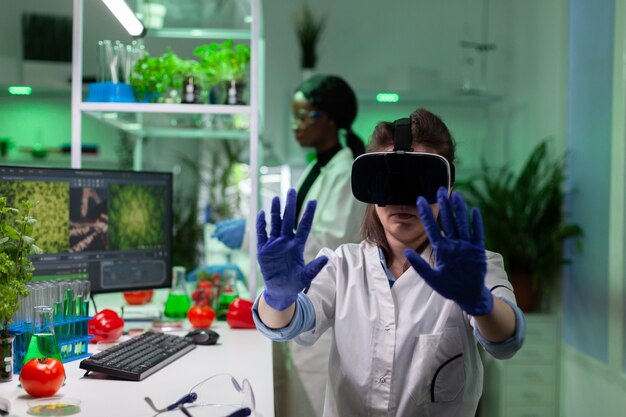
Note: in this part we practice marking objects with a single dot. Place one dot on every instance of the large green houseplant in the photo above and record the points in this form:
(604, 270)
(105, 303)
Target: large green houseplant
(524, 221)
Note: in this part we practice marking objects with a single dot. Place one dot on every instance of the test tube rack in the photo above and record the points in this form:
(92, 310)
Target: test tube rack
(71, 334)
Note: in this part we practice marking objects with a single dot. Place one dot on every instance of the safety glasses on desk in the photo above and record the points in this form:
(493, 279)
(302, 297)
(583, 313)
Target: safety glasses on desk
(219, 395)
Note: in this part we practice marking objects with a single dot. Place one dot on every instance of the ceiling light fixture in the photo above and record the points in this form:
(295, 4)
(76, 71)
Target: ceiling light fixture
(126, 17)
(20, 90)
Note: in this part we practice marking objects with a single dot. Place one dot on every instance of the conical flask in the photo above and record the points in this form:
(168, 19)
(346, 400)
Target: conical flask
(178, 302)
(43, 342)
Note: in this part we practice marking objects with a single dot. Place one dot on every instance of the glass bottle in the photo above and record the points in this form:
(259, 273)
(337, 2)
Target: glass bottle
(43, 342)
(178, 301)
(227, 292)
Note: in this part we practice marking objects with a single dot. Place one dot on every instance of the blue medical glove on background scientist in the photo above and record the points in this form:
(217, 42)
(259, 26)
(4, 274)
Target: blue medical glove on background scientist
(407, 306)
(322, 108)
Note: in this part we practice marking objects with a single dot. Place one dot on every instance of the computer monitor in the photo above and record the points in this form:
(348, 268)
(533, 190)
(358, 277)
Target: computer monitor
(111, 227)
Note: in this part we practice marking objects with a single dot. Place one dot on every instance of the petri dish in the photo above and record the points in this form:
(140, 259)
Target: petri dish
(54, 406)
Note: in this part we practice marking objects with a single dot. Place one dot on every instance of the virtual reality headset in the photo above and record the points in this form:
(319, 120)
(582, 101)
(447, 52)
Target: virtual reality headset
(399, 177)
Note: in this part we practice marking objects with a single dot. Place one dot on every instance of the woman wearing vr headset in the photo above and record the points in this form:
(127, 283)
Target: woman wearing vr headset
(407, 306)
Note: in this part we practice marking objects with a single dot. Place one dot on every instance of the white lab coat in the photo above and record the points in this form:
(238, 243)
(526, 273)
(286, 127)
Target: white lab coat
(337, 220)
(338, 215)
(396, 351)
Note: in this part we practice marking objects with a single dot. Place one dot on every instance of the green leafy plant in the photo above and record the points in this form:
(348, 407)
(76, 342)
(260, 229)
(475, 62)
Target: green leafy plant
(222, 174)
(16, 269)
(523, 216)
(187, 232)
(309, 29)
(224, 61)
(156, 75)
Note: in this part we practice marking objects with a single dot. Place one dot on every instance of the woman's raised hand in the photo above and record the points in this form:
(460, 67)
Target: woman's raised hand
(280, 255)
(460, 259)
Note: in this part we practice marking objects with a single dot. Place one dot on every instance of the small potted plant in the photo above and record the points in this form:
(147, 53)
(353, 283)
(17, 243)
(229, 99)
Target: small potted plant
(225, 66)
(161, 78)
(308, 30)
(16, 244)
(524, 222)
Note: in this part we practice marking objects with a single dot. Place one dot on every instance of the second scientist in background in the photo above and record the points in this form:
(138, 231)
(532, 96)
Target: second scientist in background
(322, 109)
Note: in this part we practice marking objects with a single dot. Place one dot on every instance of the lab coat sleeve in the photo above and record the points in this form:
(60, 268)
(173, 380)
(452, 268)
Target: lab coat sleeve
(507, 348)
(499, 285)
(303, 320)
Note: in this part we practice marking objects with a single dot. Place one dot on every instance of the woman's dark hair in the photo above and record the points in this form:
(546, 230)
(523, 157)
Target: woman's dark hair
(332, 95)
(427, 130)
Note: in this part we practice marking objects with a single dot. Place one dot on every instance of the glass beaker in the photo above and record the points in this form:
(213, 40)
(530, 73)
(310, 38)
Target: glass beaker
(227, 292)
(178, 302)
(43, 342)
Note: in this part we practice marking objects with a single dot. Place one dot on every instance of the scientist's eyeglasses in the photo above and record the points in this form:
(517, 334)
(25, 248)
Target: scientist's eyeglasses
(300, 118)
(213, 397)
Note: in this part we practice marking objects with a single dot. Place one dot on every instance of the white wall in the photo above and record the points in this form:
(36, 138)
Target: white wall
(590, 387)
(594, 363)
(367, 45)
(373, 47)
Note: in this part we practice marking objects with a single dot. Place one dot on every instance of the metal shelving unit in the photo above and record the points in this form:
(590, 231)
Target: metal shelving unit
(109, 112)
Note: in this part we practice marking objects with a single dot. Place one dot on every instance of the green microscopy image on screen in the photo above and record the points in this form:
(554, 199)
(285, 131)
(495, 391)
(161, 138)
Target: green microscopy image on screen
(50, 201)
(136, 217)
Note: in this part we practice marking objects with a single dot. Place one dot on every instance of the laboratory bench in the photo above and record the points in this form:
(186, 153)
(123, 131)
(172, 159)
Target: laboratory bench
(243, 353)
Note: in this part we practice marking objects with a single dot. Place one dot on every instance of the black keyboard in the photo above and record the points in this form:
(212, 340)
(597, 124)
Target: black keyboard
(136, 358)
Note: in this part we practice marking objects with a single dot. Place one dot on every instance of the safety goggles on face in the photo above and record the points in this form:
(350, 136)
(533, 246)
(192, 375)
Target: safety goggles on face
(299, 118)
(213, 397)
(399, 177)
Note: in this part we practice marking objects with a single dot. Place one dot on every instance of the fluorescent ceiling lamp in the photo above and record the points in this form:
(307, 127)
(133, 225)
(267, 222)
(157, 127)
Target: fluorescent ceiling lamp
(20, 90)
(387, 97)
(126, 17)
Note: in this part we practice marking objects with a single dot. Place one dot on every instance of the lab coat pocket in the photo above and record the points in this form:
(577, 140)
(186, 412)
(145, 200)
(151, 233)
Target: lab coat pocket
(438, 367)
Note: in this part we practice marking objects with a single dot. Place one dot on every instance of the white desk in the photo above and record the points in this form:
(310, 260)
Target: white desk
(244, 353)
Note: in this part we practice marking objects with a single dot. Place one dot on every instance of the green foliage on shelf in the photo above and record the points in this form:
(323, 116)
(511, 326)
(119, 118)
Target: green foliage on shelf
(523, 215)
(224, 61)
(16, 244)
(158, 74)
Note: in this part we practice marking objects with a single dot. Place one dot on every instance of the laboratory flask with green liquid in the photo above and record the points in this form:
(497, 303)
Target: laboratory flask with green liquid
(178, 302)
(43, 342)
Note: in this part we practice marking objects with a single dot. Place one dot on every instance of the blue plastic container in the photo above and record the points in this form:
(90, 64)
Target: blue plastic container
(110, 93)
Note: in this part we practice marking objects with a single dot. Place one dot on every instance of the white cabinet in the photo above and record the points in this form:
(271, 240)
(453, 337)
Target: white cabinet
(129, 117)
(528, 384)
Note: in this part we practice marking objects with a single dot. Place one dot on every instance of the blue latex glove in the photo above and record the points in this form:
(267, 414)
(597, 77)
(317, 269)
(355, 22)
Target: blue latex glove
(460, 259)
(230, 232)
(280, 255)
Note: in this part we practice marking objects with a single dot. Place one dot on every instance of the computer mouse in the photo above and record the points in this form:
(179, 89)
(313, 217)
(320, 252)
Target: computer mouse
(203, 336)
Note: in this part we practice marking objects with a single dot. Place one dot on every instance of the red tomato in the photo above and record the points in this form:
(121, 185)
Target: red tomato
(239, 315)
(201, 317)
(42, 377)
(138, 297)
(205, 284)
(106, 326)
